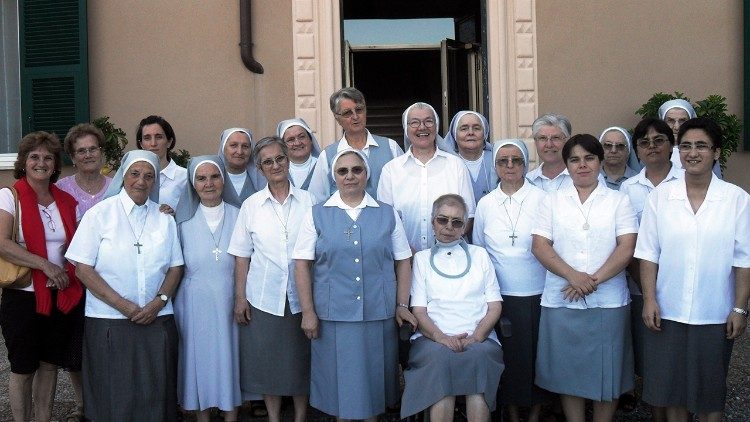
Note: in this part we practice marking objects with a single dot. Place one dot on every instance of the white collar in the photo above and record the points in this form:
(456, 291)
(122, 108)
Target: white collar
(128, 204)
(268, 196)
(518, 196)
(343, 144)
(715, 190)
(170, 170)
(336, 201)
(408, 154)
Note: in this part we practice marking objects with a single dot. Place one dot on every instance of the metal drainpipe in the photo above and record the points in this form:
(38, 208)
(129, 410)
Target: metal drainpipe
(246, 44)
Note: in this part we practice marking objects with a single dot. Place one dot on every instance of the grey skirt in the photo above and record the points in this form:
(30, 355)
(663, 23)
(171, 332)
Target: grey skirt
(130, 370)
(585, 352)
(638, 329)
(274, 355)
(686, 366)
(519, 352)
(435, 372)
(354, 368)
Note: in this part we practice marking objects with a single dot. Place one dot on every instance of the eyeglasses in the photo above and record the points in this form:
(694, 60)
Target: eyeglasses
(654, 142)
(503, 162)
(556, 139)
(698, 146)
(302, 137)
(417, 123)
(348, 114)
(456, 223)
(85, 151)
(280, 160)
(356, 170)
(50, 221)
(608, 146)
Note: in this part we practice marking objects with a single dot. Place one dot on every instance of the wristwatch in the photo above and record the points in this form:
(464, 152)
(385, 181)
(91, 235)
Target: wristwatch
(740, 311)
(163, 297)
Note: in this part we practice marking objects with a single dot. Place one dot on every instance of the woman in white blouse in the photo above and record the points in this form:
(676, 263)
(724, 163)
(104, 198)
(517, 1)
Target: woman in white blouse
(274, 352)
(128, 256)
(585, 235)
(411, 182)
(457, 301)
(694, 251)
(155, 134)
(502, 226)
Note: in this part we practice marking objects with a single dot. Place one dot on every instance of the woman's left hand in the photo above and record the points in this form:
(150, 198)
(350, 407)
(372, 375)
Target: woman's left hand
(148, 313)
(166, 209)
(56, 276)
(403, 315)
(469, 340)
(736, 325)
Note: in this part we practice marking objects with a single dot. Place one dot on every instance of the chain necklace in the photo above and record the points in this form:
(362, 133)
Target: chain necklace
(216, 251)
(284, 221)
(137, 243)
(513, 225)
(586, 225)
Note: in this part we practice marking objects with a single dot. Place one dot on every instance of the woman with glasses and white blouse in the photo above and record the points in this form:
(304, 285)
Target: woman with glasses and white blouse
(694, 251)
(584, 236)
(427, 171)
(502, 226)
(274, 352)
(303, 150)
(456, 299)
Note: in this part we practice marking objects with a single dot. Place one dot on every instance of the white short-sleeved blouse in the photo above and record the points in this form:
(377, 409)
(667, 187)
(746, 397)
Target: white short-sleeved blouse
(696, 251)
(106, 241)
(561, 219)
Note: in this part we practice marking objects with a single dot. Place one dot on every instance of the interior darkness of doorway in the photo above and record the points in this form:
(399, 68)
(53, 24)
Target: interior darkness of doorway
(403, 77)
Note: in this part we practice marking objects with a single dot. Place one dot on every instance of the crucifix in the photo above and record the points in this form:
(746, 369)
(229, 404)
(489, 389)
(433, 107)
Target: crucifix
(513, 238)
(349, 233)
(138, 245)
(216, 252)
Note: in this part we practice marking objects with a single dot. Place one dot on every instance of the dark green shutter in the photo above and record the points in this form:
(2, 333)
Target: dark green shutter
(54, 65)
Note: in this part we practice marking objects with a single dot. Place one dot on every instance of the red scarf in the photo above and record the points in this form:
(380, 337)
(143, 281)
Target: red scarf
(36, 243)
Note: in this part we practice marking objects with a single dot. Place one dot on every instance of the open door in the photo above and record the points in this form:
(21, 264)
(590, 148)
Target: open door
(461, 78)
(348, 65)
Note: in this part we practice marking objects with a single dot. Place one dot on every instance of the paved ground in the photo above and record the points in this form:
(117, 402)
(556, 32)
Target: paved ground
(737, 410)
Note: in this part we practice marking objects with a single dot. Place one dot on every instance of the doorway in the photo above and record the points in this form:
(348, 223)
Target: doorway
(398, 53)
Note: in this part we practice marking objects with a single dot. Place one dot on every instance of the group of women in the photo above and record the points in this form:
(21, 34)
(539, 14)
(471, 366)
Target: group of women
(276, 268)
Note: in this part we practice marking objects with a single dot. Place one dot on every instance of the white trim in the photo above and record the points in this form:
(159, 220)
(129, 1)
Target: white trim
(7, 160)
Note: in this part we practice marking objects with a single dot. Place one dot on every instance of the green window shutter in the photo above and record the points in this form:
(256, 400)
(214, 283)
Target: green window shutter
(54, 65)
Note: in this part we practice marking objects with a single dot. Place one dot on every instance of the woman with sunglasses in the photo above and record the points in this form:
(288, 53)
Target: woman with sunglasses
(274, 352)
(694, 251)
(353, 277)
(620, 161)
(503, 226)
(428, 172)
(456, 299)
(584, 236)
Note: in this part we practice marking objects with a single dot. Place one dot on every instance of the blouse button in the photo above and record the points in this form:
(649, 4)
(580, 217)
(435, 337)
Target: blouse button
(356, 259)
(357, 278)
(354, 226)
(359, 297)
(356, 242)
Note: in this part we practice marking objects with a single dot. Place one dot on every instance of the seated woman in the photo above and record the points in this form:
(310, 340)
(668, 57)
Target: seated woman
(456, 299)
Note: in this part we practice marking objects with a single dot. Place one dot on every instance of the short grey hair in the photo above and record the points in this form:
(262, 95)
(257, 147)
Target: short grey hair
(556, 120)
(450, 199)
(348, 93)
(268, 141)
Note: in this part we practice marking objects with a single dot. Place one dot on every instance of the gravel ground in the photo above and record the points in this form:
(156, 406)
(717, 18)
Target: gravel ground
(737, 408)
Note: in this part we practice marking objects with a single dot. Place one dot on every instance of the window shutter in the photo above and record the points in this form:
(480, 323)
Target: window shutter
(54, 65)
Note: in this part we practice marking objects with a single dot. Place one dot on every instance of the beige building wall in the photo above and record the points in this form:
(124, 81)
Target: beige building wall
(599, 61)
(181, 60)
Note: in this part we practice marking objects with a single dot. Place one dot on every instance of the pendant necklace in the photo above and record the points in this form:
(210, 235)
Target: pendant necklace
(283, 222)
(216, 251)
(513, 225)
(137, 243)
(586, 225)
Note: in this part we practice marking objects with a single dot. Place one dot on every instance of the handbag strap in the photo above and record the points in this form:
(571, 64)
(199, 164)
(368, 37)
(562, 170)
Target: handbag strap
(15, 214)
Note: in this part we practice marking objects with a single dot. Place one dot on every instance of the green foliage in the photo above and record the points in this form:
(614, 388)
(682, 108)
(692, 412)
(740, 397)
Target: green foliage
(714, 107)
(181, 157)
(114, 143)
(651, 107)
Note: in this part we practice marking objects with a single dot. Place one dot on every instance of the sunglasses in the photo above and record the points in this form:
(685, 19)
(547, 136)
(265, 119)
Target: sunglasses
(456, 223)
(356, 170)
